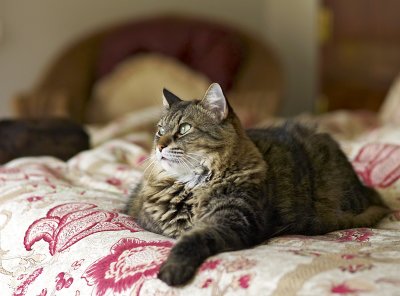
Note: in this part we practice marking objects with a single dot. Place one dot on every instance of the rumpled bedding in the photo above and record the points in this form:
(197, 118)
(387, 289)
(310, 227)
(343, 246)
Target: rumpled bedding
(62, 231)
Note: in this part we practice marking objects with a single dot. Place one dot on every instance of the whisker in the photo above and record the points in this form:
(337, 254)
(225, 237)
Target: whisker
(146, 160)
(195, 159)
(151, 171)
(188, 165)
(193, 164)
(182, 163)
(195, 154)
(151, 163)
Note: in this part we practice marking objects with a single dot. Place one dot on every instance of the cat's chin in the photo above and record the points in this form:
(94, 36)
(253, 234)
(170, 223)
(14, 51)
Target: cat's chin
(180, 174)
(173, 168)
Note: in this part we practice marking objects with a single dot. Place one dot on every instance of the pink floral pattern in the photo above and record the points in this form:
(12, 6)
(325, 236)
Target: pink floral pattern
(23, 287)
(207, 283)
(63, 280)
(210, 264)
(43, 293)
(129, 264)
(66, 224)
(352, 287)
(343, 289)
(114, 181)
(244, 281)
(353, 268)
(34, 198)
(378, 164)
(355, 235)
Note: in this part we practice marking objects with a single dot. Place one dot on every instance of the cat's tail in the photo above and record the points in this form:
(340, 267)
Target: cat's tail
(372, 214)
(368, 218)
(374, 197)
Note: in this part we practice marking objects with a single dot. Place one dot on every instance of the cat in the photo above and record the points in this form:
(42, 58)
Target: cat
(216, 187)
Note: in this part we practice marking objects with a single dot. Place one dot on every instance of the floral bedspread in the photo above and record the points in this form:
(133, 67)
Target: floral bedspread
(62, 233)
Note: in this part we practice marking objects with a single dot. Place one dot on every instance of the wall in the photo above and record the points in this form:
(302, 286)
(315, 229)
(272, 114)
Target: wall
(291, 27)
(31, 32)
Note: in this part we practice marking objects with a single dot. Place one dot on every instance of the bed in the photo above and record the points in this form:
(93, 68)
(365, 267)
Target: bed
(62, 230)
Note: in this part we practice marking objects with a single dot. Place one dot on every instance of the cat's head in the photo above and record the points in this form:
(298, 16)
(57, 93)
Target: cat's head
(194, 135)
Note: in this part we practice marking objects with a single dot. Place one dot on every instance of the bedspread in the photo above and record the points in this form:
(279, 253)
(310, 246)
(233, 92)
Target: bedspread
(62, 233)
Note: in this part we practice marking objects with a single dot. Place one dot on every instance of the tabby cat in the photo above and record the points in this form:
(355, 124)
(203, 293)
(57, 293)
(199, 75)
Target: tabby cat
(217, 187)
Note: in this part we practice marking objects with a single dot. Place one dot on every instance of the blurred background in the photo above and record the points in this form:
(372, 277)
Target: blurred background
(288, 57)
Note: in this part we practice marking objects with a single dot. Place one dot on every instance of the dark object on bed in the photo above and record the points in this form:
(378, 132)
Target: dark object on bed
(61, 138)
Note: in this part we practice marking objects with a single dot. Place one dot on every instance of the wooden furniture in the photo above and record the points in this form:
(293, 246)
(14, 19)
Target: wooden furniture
(360, 52)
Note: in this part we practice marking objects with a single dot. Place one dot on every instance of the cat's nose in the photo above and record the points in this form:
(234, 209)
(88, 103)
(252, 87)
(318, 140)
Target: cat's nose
(160, 147)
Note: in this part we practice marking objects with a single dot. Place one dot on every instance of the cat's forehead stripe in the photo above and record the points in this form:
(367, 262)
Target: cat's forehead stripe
(174, 118)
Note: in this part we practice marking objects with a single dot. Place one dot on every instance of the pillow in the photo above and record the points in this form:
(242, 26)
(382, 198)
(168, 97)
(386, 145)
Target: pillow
(137, 84)
(205, 46)
(390, 110)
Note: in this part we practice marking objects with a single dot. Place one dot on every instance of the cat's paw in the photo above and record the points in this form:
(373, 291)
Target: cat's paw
(175, 273)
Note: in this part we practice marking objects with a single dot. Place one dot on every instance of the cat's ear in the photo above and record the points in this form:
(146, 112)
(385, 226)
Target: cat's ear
(169, 98)
(215, 101)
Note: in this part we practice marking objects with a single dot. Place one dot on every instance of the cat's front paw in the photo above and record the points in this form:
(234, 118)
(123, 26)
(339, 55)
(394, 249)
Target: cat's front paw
(175, 273)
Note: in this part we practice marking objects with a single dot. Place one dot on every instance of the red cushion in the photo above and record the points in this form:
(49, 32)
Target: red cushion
(208, 48)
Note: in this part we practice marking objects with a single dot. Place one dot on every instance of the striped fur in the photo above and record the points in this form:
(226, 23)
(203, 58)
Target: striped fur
(221, 188)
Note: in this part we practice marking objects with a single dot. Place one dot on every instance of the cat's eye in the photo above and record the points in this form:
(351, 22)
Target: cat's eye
(161, 131)
(184, 128)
